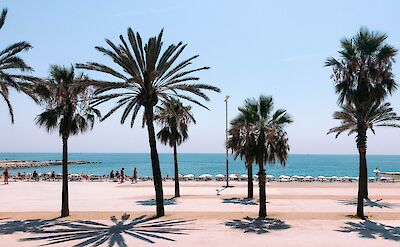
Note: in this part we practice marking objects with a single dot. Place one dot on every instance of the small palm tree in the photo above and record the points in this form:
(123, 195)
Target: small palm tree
(363, 77)
(10, 62)
(148, 75)
(243, 143)
(378, 115)
(174, 119)
(258, 135)
(66, 97)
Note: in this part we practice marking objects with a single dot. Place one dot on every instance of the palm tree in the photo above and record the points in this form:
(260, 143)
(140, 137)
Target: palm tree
(242, 142)
(147, 76)
(66, 97)
(378, 115)
(363, 77)
(258, 135)
(10, 62)
(174, 119)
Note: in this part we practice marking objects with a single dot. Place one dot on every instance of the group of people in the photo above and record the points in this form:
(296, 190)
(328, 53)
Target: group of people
(121, 175)
(35, 175)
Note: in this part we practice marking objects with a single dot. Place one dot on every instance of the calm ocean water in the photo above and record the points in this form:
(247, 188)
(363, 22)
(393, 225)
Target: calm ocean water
(302, 165)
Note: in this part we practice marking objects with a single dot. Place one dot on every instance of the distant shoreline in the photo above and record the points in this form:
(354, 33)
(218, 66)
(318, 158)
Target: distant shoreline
(18, 164)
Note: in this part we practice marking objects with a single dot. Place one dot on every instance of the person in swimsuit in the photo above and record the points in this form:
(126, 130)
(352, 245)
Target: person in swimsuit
(122, 175)
(134, 177)
(6, 176)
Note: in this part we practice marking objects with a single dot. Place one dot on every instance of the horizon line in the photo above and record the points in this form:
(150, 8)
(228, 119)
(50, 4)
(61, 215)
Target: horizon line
(186, 153)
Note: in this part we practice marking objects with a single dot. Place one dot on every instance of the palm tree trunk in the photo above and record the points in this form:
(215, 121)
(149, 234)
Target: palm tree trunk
(261, 184)
(363, 179)
(177, 192)
(64, 194)
(249, 180)
(155, 163)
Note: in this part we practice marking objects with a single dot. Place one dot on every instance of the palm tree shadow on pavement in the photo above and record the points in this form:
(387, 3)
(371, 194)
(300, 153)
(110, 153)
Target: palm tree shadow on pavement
(369, 203)
(90, 233)
(152, 202)
(257, 225)
(371, 229)
(241, 201)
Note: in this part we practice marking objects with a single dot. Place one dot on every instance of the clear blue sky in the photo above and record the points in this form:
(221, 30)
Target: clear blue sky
(271, 47)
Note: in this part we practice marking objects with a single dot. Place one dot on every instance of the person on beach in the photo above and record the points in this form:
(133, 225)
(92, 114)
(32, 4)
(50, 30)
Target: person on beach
(112, 174)
(117, 174)
(6, 175)
(35, 176)
(53, 175)
(122, 175)
(134, 177)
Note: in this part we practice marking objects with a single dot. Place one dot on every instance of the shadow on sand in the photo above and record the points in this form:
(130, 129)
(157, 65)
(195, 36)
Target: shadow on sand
(371, 229)
(369, 203)
(152, 202)
(90, 233)
(258, 225)
(242, 201)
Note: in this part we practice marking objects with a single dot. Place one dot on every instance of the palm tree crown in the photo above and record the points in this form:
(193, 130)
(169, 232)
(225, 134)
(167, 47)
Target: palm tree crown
(259, 132)
(148, 75)
(378, 115)
(364, 71)
(174, 119)
(67, 97)
(10, 62)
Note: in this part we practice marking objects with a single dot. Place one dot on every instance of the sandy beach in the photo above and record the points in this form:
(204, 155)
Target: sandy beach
(316, 213)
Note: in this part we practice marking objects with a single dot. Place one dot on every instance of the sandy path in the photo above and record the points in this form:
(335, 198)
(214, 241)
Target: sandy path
(300, 214)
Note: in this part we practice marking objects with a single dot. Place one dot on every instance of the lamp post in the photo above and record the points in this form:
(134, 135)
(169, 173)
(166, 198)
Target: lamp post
(226, 140)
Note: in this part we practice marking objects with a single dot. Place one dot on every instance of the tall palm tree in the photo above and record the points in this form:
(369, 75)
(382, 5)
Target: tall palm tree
(263, 134)
(174, 119)
(66, 97)
(10, 62)
(144, 77)
(363, 77)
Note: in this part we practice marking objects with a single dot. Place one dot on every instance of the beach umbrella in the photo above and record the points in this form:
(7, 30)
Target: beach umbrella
(244, 176)
(233, 176)
(219, 176)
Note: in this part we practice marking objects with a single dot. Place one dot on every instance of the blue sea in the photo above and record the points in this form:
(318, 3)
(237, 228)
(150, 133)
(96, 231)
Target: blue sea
(197, 164)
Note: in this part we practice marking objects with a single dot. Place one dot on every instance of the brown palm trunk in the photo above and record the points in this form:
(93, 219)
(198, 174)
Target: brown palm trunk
(64, 194)
(177, 192)
(261, 183)
(249, 180)
(155, 163)
(363, 177)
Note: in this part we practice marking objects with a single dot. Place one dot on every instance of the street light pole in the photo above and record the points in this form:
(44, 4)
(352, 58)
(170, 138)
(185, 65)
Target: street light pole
(226, 140)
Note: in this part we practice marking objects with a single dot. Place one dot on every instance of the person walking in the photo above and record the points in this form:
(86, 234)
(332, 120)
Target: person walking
(6, 176)
(134, 177)
(122, 175)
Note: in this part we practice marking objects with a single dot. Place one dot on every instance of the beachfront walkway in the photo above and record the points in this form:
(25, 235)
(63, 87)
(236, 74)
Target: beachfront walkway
(300, 214)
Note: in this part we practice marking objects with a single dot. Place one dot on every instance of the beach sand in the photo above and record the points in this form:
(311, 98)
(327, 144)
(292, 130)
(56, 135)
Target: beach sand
(301, 214)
